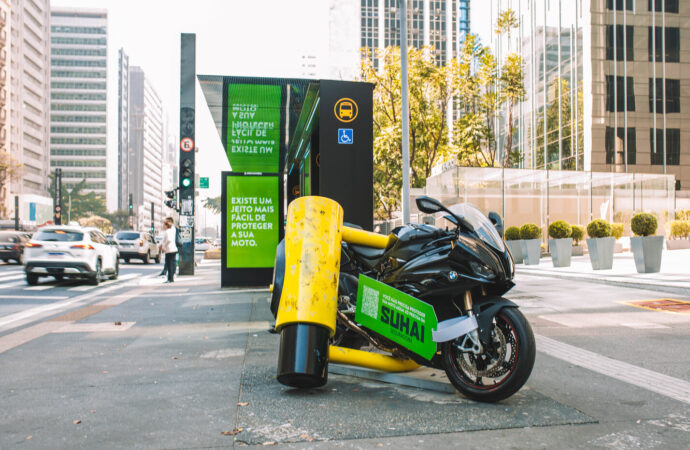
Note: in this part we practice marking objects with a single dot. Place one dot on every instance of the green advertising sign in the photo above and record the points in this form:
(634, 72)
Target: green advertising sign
(253, 127)
(203, 182)
(396, 315)
(252, 221)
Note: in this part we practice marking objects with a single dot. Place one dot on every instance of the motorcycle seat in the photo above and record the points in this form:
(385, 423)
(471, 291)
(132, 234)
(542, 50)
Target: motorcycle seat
(369, 253)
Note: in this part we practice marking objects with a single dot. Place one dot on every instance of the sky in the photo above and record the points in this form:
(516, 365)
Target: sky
(234, 37)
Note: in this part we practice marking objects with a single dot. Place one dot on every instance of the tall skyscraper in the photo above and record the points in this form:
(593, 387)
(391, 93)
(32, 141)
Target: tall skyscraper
(607, 78)
(78, 96)
(146, 149)
(441, 24)
(24, 88)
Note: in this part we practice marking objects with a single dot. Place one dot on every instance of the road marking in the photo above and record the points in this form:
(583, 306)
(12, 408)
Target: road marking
(670, 387)
(637, 319)
(94, 327)
(35, 297)
(11, 285)
(27, 334)
(11, 277)
(40, 288)
(18, 319)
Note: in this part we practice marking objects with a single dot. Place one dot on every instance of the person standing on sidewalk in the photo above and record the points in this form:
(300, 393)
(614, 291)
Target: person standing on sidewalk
(168, 247)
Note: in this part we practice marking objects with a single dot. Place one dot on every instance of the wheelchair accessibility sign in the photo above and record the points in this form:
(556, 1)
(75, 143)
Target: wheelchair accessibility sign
(345, 136)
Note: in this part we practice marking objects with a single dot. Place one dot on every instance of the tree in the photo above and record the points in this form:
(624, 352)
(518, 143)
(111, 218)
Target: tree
(9, 170)
(430, 93)
(213, 204)
(101, 223)
(119, 219)
(512, 91)
(77, 204)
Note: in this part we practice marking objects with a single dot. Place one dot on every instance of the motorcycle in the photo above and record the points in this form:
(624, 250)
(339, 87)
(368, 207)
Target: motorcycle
(484, 344)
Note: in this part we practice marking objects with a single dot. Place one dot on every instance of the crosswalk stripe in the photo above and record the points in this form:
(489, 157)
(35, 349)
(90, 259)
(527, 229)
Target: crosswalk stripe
(40, 288)
(11, 277)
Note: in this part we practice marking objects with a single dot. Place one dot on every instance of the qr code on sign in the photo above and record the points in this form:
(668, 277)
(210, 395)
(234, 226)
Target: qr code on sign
(370, 302)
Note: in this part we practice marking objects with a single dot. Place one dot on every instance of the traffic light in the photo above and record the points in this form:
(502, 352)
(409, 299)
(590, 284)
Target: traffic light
(131, 205)
(172, 201)
(187, 172)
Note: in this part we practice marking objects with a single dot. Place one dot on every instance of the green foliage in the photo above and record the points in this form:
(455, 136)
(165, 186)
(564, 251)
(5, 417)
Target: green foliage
(10, 169)
(599, 228)
(77, 204)
(680, 229)
(530, 231)
(644, 224)
(560, 229)
(101, 223)
(617, 230)
(683, 214)
(119, 219)
(578, 232)
(213, 204)
(512, 234)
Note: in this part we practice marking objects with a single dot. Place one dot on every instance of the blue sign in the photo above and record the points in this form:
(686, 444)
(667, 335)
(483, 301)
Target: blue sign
(32, 211)
(345, 136)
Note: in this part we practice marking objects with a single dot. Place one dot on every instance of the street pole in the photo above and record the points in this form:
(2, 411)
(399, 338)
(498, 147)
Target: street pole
(152, 219)
(187, 150)
(16, 213)
(405, 111)
(69, 209)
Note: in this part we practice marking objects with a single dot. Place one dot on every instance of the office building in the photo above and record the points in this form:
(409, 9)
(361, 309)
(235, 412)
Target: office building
(24, 89)
(78, 97)
(122, 130)
(146, 150)
(441, 24)
(622, 95)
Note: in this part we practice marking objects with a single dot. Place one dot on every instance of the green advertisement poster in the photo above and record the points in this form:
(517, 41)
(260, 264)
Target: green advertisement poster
(396, 315)
(253, 127)
(252, 221)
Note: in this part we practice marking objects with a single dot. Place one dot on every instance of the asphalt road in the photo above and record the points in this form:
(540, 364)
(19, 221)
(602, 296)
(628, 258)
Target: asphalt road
(138, 364)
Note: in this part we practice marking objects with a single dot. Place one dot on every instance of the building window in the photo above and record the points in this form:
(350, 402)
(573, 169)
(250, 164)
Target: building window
(617, 146)
(672, 95)
(670, 6)
(628, 41)
(672, 44)
(619, 104)
(619, 4)
(672, 146)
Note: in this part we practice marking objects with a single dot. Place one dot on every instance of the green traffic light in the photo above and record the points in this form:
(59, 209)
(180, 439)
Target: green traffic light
(186, 182)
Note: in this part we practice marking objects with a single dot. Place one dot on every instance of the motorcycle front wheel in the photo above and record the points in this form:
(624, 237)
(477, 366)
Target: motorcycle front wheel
(503, 367)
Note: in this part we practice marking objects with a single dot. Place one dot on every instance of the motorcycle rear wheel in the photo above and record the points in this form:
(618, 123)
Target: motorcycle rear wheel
(497, 373)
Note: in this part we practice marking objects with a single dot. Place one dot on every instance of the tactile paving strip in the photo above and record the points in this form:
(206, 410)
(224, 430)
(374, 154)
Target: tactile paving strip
(671, 305)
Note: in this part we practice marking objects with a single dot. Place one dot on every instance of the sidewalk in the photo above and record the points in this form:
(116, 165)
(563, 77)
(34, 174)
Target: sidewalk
(674, 277)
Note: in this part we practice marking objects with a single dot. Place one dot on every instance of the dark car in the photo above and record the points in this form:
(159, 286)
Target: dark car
(12, 246)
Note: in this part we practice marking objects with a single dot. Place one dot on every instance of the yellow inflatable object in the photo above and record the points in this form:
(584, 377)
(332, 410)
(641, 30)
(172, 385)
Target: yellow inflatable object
(362, 237)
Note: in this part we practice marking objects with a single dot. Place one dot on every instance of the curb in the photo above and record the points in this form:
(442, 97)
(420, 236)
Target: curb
(680, 290)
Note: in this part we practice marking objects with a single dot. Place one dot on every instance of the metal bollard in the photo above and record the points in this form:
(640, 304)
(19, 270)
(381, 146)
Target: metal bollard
(309, 298)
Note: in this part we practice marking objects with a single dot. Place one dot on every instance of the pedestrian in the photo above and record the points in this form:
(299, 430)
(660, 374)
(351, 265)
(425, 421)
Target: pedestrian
(168, 247)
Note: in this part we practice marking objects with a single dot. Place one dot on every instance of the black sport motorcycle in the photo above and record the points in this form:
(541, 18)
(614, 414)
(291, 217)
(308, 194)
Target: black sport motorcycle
(487, 347)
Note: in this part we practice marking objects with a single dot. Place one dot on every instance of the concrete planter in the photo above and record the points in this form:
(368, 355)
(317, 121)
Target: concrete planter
(647, 252)
(578, 250)
(515, 250)
(601, 252)
(531, 251)
(677, 244)
(561, 250)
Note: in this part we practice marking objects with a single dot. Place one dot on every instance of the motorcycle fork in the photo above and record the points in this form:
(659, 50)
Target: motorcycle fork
(473, 335)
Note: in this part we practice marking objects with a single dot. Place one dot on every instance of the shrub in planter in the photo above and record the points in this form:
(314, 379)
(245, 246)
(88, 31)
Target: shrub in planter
(599, 228)
(512, 238)
(600, 244)
(646, 247)
(512, 234)
(679, 230)
(644, 224)
(560, 229)
(530, 236)
(578, 234)
(561, 244)
(617, 230)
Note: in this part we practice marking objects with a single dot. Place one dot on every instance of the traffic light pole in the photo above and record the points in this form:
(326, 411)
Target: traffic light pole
(57, 218)
(187, 148)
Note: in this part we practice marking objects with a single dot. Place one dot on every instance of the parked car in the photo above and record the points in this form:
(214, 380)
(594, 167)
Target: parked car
(12, 246)
(201, 244)
(137, 245)
(72, 252)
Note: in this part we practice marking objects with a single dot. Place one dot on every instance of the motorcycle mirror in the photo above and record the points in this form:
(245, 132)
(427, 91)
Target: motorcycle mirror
(429, 205)
(495, 218)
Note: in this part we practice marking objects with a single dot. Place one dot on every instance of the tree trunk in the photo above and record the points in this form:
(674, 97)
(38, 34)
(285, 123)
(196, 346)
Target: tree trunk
(509, 141)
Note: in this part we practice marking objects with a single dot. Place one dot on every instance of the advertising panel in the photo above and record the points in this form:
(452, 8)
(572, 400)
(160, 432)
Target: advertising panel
(252, 214)
(253, 127)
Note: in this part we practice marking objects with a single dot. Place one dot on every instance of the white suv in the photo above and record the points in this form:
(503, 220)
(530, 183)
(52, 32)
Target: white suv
(69, 251)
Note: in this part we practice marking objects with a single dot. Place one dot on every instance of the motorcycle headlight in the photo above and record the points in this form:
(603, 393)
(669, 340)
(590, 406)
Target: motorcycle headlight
(482, 270)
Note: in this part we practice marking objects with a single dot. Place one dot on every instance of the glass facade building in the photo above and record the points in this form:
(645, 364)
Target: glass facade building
(605, 85)
(78, 97)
